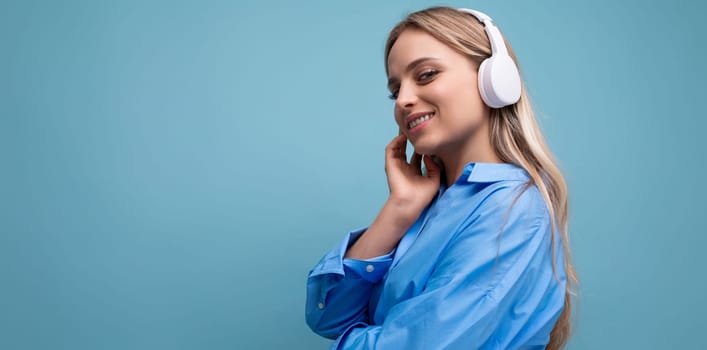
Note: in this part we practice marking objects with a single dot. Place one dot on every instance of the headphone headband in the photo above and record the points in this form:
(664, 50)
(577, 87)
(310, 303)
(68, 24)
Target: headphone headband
(495, 37)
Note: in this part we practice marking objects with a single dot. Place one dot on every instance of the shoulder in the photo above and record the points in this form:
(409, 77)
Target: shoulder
(499, 186)
(511, 203)
(501, 198)
(507, 233)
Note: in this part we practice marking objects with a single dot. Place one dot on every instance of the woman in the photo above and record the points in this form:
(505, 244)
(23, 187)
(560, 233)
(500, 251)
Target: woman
(462, 255)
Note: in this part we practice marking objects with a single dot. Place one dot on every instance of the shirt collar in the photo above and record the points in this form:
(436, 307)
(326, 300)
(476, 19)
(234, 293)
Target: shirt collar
(494, 172)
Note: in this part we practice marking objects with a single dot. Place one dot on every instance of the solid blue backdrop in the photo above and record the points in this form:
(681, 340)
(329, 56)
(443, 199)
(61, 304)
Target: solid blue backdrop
(171, 170)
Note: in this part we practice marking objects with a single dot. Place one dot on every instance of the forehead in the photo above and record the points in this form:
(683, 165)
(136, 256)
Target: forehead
(413, 44)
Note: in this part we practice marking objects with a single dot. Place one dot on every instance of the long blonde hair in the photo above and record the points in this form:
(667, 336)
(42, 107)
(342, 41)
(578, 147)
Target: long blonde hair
(515, 135)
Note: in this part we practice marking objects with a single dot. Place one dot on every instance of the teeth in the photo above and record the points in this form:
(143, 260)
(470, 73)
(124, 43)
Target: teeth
(417, 121)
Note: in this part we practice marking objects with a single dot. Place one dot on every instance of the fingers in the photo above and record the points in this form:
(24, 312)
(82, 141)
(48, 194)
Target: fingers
(433, 169)
(396, 148)
(398, 141)
(416, 162)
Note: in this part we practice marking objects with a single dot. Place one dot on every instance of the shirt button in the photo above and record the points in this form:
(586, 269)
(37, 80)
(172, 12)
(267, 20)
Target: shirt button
(321, 306)
(370, 268)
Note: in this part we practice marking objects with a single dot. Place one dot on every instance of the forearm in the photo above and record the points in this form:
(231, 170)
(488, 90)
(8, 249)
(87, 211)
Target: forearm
(394, 219)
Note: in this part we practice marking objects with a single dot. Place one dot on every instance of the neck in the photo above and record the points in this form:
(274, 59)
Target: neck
(477, 148)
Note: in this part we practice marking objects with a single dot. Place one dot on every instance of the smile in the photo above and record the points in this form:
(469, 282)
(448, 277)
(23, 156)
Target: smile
(420, 120)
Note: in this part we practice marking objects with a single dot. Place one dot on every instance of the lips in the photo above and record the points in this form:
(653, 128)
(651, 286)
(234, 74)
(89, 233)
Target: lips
(416, 119)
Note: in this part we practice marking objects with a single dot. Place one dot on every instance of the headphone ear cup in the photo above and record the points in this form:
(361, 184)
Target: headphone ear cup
(499, 81)
(483, 84)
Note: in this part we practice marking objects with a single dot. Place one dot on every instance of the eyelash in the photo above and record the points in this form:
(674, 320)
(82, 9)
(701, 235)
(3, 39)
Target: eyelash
(425, 75)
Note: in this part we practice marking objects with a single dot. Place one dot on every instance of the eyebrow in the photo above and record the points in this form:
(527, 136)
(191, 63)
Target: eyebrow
(392, 81)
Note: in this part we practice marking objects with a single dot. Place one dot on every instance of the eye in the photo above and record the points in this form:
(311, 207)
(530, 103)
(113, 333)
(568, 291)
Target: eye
(423, 77)
(393, 95)
(427, 74)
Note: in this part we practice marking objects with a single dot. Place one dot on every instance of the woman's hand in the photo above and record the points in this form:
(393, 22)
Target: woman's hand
(410, 190)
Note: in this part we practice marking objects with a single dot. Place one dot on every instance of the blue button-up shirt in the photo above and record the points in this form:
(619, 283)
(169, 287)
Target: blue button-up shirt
(473, 272)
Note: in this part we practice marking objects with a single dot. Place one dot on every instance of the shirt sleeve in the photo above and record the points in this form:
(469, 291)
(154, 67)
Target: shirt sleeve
(490, 289)
(339, 289)
(371, 269)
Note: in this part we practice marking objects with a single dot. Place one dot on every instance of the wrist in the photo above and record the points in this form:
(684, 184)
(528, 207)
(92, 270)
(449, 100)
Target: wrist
(402, 211)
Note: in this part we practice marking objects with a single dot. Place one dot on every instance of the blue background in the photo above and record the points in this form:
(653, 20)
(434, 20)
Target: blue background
(171, 170)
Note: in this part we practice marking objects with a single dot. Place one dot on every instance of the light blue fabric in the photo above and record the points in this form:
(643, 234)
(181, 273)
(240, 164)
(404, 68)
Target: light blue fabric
(473, 272)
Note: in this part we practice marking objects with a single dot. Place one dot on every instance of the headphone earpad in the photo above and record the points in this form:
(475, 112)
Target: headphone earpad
(499, 81)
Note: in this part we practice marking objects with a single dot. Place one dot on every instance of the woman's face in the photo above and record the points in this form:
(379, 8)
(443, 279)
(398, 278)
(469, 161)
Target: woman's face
(437, 101)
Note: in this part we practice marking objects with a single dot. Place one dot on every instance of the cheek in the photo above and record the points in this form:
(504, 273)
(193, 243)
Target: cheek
(397, 115)
(460, 97)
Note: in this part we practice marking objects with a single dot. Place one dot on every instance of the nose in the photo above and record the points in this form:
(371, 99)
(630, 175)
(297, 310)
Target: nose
(407, 96)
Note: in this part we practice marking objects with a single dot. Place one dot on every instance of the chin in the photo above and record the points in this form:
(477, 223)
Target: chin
(422, 148)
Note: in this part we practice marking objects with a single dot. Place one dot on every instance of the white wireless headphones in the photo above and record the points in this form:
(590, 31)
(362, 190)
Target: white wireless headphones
(499, 80)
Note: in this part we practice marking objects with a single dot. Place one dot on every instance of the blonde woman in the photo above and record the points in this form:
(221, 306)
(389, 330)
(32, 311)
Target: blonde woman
(470, 252)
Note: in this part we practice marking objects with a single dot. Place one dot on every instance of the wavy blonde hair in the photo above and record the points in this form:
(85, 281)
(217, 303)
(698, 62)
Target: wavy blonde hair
(515, 135)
